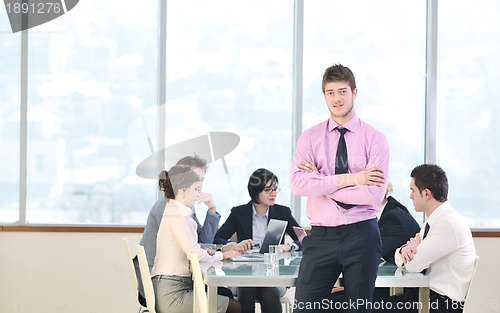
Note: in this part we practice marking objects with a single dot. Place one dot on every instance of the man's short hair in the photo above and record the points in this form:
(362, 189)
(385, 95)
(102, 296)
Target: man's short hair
(193, 162)
(432, 177)
(338, 73)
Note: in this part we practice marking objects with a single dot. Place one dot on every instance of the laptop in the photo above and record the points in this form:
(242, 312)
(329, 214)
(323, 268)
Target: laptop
(274, 234)
(300, 232)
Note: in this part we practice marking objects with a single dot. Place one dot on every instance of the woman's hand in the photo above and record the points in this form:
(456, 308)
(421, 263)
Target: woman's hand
(246, 244)
(210, 251)
(230, 253)
(285, 248)
(232, 246)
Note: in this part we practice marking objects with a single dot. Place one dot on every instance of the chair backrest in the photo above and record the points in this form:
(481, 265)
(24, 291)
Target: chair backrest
(146, 279)
(200, 302)
(133, 273)
(467, 304)
(128, 255)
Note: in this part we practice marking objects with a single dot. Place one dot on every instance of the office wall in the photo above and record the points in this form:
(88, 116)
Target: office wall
(88, 273)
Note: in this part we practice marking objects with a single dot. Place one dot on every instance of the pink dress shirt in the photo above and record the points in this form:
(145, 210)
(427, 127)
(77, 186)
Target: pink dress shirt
(177, 238)
(366, 148)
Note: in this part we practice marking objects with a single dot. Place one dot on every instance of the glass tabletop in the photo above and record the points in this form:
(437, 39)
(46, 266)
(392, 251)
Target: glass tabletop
(231, 273)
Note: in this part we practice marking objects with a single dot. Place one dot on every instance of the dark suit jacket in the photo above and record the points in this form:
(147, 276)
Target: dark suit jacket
(240, 222)
(397, 226)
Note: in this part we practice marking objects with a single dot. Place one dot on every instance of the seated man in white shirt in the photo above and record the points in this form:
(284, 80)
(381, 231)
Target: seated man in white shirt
(444, 248)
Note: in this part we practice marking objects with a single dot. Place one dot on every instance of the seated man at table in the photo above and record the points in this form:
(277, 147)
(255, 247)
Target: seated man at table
(444, 248)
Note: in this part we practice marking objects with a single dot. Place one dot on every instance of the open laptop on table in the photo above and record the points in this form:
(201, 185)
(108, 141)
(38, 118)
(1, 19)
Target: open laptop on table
(274, 234)
(300, 232)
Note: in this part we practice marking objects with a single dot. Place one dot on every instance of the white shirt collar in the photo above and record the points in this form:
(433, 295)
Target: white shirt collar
(440, 210)
(255, 212)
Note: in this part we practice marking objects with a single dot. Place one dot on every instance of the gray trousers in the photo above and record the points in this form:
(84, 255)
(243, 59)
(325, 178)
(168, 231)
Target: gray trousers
(174, 294)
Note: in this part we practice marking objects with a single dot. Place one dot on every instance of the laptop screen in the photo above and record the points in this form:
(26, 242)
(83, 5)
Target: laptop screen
(274, 234)
(300, 232)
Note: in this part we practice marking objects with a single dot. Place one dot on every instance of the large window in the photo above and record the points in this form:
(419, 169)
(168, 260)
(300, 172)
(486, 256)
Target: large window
(103, 96)
(10, 81)
(91, 73)
(468, 119)
(229, 68)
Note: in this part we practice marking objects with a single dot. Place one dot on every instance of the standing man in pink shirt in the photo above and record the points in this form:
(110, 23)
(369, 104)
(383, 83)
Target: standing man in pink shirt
(341, 165)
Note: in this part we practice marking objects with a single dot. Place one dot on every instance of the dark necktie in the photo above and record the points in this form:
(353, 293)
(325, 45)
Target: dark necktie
(426, 230)
(427, 227)
(341, 162)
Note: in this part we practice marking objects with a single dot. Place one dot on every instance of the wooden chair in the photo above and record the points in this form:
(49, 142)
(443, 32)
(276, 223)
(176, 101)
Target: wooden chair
(149, 292)
(128, 255)
(467, 304)
(200, 301)
(288, 305)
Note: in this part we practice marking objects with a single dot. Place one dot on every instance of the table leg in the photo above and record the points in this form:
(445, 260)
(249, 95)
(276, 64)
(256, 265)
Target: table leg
(212, 298)
(423, 297)
(395, 291)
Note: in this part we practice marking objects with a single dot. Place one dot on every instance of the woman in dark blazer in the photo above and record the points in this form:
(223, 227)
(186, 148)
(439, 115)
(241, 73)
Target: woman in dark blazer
(396, 225)
(249, 221)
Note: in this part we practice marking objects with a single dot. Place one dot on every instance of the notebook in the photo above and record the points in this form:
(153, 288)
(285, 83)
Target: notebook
(300, 232)
(274, 234)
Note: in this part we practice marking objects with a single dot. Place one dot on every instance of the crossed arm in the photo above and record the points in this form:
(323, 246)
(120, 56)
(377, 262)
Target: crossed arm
(409, 250)
(373, 176)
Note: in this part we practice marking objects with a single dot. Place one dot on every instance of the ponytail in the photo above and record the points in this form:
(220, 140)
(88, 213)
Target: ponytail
(178, 177)
(165, 185)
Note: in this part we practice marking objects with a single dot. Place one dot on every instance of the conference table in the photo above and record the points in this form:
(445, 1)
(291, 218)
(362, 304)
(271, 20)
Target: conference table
(257, 274)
